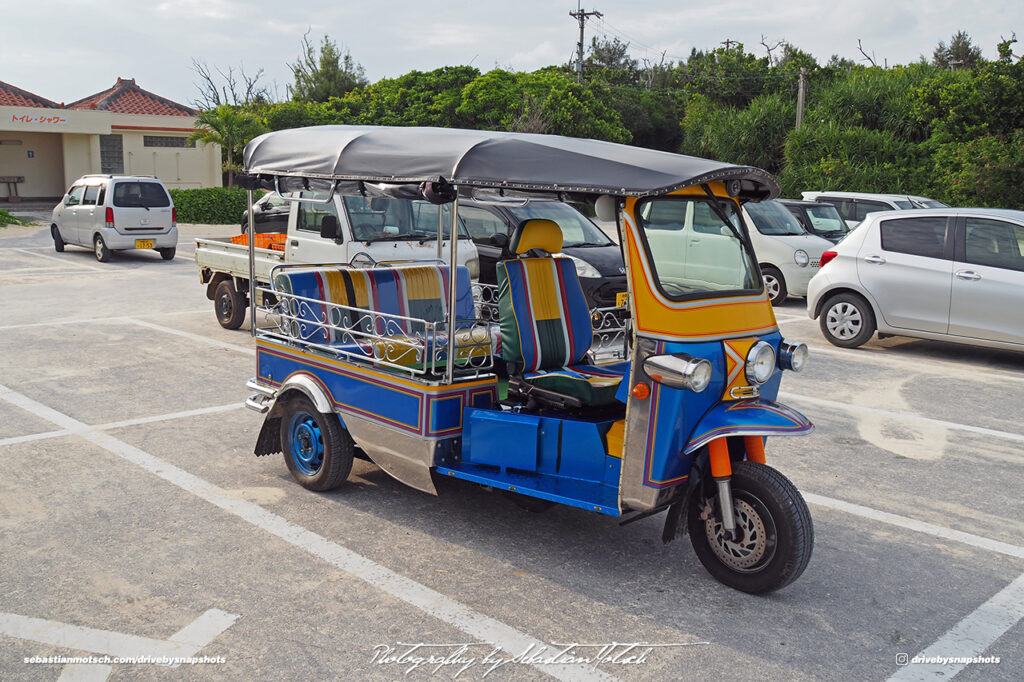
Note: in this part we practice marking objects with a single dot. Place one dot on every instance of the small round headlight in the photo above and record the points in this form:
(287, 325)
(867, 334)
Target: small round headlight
(760, 363)
(792, 355)
(701, 376)
(801, 258)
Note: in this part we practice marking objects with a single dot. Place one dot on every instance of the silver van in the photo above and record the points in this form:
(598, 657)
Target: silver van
(114, 213)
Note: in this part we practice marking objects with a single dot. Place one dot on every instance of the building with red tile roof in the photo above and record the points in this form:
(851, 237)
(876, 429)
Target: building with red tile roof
(125, 97)
(121, 130)
(11, 96)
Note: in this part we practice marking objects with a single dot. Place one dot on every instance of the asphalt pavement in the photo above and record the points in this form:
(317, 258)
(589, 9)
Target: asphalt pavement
(135, 521)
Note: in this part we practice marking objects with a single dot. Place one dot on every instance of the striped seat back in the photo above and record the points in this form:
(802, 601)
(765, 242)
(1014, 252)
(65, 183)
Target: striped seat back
(545, 322)
(412, 291)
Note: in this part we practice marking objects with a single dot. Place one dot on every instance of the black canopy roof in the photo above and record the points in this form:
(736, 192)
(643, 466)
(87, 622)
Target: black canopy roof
(488, 159)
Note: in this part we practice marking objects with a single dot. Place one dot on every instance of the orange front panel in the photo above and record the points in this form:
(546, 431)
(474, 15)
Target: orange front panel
(698, 320)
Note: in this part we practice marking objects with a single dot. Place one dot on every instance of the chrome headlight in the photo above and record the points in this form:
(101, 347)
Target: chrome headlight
(793, 355)
(760, 363)
(679, 371)
(583, 268)
(801, 258)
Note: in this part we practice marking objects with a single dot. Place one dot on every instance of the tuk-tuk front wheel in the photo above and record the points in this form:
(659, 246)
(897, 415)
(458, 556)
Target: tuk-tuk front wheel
(317, 451)
(774, 534)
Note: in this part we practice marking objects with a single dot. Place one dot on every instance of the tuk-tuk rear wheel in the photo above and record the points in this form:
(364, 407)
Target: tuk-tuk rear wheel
(317, 451)
(774, 533)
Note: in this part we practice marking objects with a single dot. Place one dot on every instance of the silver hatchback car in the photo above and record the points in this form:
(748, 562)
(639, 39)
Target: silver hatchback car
(950, 274)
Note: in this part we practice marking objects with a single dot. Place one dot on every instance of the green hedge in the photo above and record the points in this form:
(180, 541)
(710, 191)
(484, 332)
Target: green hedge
(213, 205)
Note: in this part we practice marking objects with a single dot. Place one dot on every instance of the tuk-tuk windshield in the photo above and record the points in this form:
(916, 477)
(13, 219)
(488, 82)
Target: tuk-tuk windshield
(693, 251)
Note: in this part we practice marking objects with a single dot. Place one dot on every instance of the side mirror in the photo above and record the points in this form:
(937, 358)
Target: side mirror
(499, 239)
(329, 227)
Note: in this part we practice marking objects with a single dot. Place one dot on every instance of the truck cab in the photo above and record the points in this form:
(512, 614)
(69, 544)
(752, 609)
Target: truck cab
(385, 229)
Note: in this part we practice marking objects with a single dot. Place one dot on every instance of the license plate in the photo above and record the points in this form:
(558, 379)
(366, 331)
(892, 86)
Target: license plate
(143, 243)
(621, 298)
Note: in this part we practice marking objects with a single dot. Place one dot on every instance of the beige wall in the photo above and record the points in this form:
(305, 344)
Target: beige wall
(66, 146)
(81, 156)
(177, 167)
(44, 172)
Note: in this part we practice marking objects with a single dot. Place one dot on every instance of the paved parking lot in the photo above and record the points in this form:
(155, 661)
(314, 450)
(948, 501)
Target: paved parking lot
(134, 520)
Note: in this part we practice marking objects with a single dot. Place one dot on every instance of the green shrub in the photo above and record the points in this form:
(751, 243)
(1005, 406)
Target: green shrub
(986, 171)
(8, 219)
(213, 205)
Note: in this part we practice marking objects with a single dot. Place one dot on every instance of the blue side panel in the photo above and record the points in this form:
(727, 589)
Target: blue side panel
(550, 439)
(583, 451)
(501, 439)
(563, 460)
(572, 492)
(425, 410)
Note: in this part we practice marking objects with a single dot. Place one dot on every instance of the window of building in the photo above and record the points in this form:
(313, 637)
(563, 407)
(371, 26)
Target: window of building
(166, 141)
(111, 154)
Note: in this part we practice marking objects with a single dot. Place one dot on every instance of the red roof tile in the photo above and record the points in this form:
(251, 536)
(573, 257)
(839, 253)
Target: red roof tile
(11, 96)
(128, 98)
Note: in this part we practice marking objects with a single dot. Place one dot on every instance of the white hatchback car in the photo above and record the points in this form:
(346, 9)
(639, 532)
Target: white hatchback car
(854, 206)
(951, 274)
(787, 254)
(116, 212)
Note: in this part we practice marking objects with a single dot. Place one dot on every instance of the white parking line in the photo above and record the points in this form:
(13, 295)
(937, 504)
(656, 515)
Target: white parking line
(121, 424)
(969, 638)
(918, 526)
(91, 320)
(938, 366)
(430, 601)
(183, 644)
(248, 350)
(64, 261)
(850, 407)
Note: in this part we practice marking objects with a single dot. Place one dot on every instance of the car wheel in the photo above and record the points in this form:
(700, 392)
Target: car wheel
(100, 249)
(168, 253)
(847, 320)
(774, 532)
(317, 451)
(58, 241)
(774, 284)
(229, 305)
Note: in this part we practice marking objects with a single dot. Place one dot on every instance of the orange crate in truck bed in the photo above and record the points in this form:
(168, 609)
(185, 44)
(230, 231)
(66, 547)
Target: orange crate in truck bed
(270, 240)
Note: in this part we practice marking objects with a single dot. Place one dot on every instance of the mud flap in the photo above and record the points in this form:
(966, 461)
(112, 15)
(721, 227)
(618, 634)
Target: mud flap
(269, 440)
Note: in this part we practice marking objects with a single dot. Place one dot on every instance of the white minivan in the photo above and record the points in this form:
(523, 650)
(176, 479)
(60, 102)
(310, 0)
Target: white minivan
(109, 213)
(787, 254)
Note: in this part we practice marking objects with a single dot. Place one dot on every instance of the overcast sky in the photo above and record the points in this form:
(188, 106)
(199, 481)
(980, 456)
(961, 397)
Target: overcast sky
(66, 50)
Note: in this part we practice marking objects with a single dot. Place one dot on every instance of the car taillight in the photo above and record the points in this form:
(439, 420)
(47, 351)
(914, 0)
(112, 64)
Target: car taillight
(110, 217)
(827, 257)
(174, 216)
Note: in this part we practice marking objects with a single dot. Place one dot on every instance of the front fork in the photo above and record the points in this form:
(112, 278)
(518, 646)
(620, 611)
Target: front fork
(721, 472)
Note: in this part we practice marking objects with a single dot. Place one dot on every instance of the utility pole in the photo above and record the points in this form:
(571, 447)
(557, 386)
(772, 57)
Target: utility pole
(800, 94)
(581, 16)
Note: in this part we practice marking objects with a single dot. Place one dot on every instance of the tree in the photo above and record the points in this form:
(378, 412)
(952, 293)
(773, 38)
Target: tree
(231, 128)
(609, 60)
(959, 54)
(239, 89)
(325, 73)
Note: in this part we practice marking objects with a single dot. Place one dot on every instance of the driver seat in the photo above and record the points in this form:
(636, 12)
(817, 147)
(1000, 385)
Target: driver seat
(545, 324)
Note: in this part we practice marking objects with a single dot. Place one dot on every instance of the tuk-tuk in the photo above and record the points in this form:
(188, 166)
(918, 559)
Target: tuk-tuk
(425, 373)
